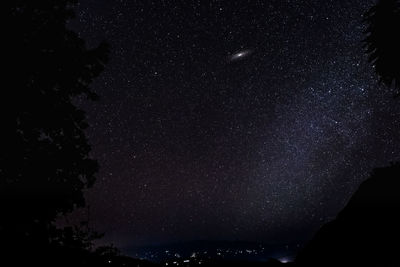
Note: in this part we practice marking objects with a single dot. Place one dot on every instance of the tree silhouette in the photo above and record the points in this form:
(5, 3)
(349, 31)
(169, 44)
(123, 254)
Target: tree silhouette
(383, 41)
(44, 158)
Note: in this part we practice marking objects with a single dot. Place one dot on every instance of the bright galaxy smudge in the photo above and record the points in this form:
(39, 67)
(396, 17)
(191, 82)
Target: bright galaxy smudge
(240, 55)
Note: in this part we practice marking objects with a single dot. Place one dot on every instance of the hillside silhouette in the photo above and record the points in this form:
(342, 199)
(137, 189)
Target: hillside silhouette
(366, 232)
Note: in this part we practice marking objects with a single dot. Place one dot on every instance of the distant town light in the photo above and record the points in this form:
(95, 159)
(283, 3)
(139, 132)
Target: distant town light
(284, 260)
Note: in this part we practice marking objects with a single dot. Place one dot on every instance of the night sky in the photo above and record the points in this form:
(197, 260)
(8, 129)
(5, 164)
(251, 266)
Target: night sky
(231, 120)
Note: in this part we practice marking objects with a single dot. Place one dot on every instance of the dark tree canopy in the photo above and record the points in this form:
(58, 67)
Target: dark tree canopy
(383, 40)
(44, 160)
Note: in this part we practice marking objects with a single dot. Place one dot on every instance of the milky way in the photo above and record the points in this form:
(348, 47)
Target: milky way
(266, 148)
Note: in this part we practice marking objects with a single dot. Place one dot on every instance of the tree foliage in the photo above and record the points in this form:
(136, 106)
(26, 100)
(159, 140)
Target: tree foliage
(383, 40)
(44, 158)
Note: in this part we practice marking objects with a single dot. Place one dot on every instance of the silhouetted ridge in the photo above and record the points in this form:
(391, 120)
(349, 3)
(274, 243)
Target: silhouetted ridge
(366, 231)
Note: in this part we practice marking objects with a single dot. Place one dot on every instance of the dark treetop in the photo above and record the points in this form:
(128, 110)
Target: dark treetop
(44, 158)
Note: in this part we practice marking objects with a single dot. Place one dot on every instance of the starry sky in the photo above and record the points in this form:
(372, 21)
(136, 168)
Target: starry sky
(231, 120)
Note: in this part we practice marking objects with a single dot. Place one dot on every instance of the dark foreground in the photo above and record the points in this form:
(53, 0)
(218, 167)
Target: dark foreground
(365, 233)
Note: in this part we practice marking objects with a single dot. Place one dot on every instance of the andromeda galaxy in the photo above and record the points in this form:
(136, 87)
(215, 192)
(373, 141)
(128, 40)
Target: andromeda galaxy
(240, 55)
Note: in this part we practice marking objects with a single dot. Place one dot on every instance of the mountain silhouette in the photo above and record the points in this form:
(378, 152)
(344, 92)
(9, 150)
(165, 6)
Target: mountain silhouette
(366, 231)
